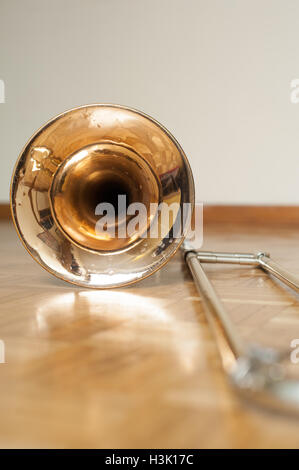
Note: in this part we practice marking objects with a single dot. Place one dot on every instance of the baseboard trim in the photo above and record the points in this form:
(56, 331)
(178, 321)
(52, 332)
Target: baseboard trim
(4, 211)
(285, 215)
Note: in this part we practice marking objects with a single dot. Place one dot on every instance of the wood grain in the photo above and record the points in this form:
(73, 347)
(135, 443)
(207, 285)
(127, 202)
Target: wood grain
(137, 367)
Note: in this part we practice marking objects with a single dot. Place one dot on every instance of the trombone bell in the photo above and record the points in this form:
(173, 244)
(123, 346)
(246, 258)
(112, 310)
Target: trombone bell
(95, 155)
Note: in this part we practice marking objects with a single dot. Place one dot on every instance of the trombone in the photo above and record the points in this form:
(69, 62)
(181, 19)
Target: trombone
(97, 153)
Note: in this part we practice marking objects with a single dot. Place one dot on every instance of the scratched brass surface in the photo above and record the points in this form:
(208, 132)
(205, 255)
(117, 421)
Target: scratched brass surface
(137, 367)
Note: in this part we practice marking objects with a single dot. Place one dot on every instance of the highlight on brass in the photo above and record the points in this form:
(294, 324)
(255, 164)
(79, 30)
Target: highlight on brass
(95, 155)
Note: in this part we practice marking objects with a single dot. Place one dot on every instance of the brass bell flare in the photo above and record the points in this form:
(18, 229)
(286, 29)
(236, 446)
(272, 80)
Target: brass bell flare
(92, 155)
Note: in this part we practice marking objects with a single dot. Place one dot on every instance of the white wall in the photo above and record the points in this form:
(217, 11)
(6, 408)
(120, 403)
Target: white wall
(217, 73)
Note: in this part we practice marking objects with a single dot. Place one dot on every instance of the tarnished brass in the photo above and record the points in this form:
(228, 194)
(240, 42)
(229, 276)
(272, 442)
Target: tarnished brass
(86, 156)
